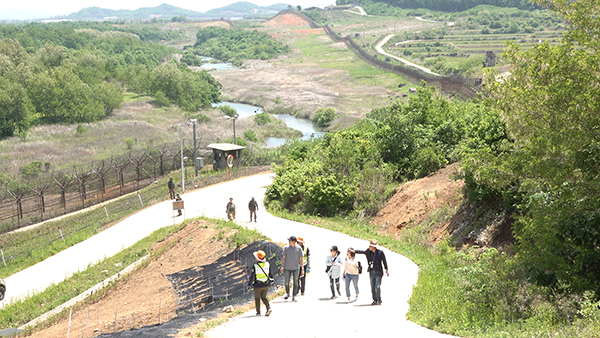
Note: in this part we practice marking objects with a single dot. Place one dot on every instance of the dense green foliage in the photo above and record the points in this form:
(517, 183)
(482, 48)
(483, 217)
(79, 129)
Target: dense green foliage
(76, 72)
(442, 5)
(550, 102)
(324, 116)
(352, 170)
(236, 45)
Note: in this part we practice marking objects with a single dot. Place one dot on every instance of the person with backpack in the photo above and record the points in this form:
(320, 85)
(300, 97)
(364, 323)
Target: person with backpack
(305, 263)
(230, 209)
(334, 262)
(352, 268)
(261, 277)
(253, 206)
(171, 186)
(375, 259)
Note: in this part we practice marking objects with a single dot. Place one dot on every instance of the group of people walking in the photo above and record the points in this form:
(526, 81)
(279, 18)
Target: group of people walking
(295, 265)
(351, 268)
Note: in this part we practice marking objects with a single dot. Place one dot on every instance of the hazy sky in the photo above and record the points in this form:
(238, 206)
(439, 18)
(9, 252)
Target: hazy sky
(70, 6)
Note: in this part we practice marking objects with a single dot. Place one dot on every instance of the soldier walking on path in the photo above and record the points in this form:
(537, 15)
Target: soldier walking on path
(171, 186)
(259, 278)
(291, 265)
(230, 209)
(375, 258)
(305, 263)
(253, 206)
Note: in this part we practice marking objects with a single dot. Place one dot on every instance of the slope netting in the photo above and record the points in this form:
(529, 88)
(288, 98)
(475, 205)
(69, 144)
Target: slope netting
(204, 291)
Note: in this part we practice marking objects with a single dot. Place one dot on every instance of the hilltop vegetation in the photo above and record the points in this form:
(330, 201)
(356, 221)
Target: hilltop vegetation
(73, 73)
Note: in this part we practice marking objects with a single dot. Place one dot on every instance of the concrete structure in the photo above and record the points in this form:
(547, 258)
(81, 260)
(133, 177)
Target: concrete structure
(220, 153)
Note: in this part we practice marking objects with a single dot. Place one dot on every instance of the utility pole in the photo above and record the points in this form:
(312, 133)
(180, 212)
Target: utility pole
(195, 147)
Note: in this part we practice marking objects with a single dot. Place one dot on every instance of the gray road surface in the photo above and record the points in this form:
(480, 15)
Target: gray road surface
(311, 315)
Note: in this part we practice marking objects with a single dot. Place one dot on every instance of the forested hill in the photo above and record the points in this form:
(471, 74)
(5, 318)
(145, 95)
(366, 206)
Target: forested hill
(445, 5)
(237, 9)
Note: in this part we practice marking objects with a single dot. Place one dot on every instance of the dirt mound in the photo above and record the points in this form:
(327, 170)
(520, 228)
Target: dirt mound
(147, 297)
(287, 20)
(415, 200)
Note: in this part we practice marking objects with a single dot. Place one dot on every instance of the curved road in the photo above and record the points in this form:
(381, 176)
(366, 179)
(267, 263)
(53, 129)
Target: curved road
(312, 315)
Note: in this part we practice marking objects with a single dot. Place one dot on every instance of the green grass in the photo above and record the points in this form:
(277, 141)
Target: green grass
(21, 312)
(473, 293)
(26, 248)
(317, 50)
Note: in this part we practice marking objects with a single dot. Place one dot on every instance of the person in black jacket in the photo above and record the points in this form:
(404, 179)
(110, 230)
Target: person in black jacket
(375, 258)
(259, 278)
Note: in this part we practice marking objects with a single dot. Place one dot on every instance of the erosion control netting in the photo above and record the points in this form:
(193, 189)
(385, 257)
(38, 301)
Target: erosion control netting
(204, 291)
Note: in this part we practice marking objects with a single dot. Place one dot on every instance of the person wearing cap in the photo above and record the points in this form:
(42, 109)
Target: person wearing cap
(230, 209)
(305, 263)
(253, 206)
(291, 266)
(375, 259)
(259, 278)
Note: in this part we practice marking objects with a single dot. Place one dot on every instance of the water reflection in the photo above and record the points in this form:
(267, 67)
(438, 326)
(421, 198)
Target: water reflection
(215, 66)
(305, 126)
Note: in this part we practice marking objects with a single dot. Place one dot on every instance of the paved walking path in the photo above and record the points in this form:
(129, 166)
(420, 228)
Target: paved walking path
(379, 49)
(312, 315)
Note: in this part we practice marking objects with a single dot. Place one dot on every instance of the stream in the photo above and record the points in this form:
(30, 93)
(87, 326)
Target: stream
(305, 126)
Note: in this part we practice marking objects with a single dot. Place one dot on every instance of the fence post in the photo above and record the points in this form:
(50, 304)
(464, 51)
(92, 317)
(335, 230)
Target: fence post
(140, 197)
(106, 211)
(115, 323)
(69, 329)
(3, 261)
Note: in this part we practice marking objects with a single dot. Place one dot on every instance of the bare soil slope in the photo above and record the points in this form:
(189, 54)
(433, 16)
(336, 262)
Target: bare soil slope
(415, 200)
(139, 299)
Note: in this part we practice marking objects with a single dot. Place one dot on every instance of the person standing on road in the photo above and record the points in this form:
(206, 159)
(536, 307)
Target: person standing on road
(334, 263)
(351, 271)
(291, 265)
(178, 198)
(230, 209)
(375, 258)
(171, 186)
(305, 263)
(259, 278)
(253, 206)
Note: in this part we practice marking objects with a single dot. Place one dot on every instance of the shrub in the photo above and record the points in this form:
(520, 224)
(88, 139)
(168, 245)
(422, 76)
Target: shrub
(227, 110)
(250, 136)
(324, 116)
(262, 119)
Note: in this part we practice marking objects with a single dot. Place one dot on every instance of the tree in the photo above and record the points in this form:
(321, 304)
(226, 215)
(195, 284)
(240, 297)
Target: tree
(324, 116)
(551, 104)
(14, 108)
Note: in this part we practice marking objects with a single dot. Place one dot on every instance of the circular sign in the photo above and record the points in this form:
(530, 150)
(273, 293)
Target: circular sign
(230, 160)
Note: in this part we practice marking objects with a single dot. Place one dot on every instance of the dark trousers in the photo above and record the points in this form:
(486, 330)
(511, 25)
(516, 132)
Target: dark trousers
(261, 293)
(251, 213)
(303, 282)
(335, 281)
(375, 278)
(293, 275)
(172, 193)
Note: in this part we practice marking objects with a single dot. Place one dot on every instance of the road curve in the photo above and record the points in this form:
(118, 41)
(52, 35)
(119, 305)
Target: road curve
(379, 49)
(312, 315)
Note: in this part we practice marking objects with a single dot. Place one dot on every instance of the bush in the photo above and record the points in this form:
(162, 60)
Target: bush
(227, 110)
(250, 136)
(324, 116)
(262, 119)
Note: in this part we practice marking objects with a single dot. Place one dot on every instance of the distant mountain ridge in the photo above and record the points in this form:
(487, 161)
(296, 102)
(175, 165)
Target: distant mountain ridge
(238, 9)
